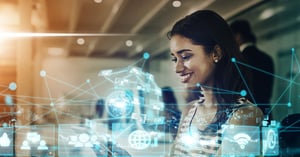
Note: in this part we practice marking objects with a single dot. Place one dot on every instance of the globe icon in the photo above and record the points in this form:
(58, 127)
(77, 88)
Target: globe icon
(139, 139)
(119, 103)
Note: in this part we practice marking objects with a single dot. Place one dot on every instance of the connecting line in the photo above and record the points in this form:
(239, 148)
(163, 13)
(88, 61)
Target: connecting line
(282, 78)
(117, 136)
(135, 62)
(142, 67)
(290, 126)
(181, 89)
(220, 90)
(273, 106)
(296, 61)
(69, 93)
(291, 74)
(93, 89)
(3, 91)
(244, 82)
(70, 85)
(48, 89)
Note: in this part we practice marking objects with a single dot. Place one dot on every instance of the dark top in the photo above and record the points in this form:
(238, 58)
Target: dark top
(262, 80)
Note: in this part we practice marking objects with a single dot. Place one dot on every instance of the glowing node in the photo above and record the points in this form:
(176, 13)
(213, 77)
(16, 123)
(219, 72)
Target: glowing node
(176, 4)
(12, 86)
(52, 104)
(289, 104)
(43, 73)
(198, 84)
(243, 93)
(129, 43)
(88, 81)
(233, 60)
(8, 100)
(146, 55)
(293, 49)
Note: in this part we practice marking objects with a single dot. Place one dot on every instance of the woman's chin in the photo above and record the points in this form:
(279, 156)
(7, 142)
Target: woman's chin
(190, 85)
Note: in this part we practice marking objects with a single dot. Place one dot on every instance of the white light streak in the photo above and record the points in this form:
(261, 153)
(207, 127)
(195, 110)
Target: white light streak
(25, 34)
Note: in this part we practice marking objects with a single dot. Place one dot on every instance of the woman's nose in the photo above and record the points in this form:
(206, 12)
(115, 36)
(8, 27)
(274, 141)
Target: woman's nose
(179, 67)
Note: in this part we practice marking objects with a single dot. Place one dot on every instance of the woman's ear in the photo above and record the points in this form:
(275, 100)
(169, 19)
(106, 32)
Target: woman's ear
(217, 53)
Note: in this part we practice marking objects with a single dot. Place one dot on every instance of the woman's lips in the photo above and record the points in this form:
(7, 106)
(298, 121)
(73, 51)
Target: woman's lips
(184, 78)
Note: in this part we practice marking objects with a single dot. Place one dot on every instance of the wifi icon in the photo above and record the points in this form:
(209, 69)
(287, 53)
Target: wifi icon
(242, 139)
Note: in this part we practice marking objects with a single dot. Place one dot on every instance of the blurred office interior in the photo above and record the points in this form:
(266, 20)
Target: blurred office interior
(52, 51)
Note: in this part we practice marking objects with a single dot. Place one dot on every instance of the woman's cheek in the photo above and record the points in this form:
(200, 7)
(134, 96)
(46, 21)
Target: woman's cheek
(188, 64)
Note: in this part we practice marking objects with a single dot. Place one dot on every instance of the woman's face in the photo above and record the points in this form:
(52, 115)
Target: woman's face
(191, 62)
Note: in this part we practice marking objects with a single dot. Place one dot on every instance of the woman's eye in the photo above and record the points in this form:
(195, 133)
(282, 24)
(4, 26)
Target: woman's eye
(186, 57)
(174, 59)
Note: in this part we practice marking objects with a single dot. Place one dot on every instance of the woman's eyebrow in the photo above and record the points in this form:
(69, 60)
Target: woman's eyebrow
(181, 51)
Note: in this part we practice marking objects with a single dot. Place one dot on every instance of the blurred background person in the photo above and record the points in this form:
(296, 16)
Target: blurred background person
(100, 106)
(262, 82)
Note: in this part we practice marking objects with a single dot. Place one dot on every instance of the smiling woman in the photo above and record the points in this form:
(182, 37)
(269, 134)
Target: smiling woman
(205, 53)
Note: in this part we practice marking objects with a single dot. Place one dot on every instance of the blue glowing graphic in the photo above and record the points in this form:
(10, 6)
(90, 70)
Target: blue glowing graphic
(233, 60)
(12, 86)
(270, 141)
(134, 100)
(240, 140)
(4, 140)
(120, 103)
(139, 139)
(243, 93)
(146, 55)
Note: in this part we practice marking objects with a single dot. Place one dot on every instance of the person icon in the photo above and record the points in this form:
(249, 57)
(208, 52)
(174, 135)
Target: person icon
(262, 80)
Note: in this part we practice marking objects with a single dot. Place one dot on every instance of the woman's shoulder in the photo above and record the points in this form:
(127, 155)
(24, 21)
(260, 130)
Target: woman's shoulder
(245, 113)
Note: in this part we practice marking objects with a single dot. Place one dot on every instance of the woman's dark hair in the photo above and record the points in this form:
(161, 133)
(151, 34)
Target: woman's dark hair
(207, 28)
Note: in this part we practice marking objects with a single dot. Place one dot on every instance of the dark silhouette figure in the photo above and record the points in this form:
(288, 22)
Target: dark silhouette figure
(262, 80)
(100, 106)
(171, 112)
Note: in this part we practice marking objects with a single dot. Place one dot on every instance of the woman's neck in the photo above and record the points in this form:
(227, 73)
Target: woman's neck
(210, 99)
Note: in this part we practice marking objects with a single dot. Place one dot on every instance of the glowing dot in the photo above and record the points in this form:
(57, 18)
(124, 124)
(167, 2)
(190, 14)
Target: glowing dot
(97, 1)
(129, 43)
(176, 4)
(146, 55)
(52, 104)
(8, 100)
(293, 50)
(88, 81)
(12, 86)
(80, 41)
(243, 93)
(289, 104)
(233, 60)
(43, 73)
(198, 84)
